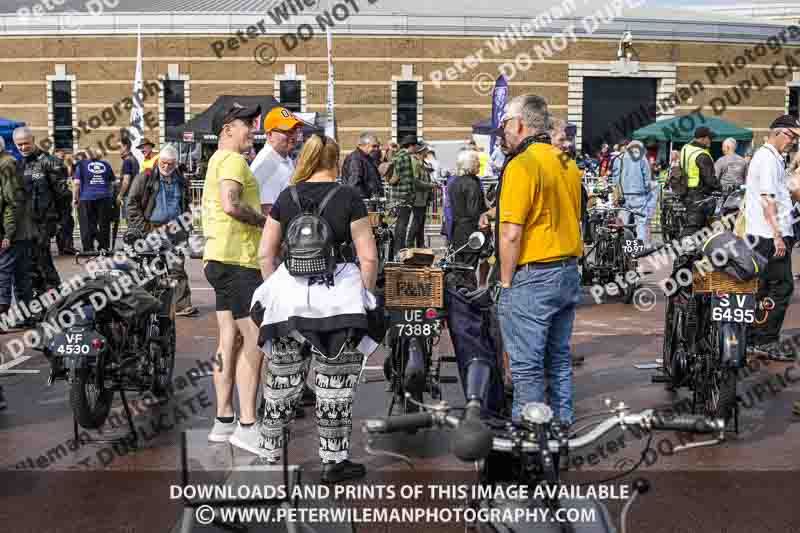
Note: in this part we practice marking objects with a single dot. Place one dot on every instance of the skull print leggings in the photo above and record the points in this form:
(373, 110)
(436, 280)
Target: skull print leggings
(285, 372)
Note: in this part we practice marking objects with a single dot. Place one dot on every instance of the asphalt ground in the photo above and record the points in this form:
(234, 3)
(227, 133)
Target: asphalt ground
(50, 483)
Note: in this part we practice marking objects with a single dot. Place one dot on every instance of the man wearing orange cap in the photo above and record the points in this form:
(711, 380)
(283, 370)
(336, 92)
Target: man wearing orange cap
(272, 166)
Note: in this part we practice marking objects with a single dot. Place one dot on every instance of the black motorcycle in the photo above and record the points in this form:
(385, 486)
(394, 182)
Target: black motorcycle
(114, 333)
(705, 325)
(414, 301)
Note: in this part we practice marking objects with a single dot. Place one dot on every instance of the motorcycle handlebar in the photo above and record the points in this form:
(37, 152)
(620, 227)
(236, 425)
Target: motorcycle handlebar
(645, 419)
(686, 423)
(394, 424)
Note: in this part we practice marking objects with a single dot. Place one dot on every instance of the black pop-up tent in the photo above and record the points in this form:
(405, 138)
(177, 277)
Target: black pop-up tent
(198, 129)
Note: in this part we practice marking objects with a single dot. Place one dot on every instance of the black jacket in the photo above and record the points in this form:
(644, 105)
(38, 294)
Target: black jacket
(360, 171)
(44, 180)
(467, 203)
(708, 176)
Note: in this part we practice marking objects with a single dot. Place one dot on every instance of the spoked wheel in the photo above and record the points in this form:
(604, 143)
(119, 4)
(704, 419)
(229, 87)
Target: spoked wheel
(163, 357)
(90, 403)
(718, 391)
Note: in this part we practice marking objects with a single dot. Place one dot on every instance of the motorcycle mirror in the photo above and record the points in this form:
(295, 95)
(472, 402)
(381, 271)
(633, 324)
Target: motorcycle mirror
(476, 240)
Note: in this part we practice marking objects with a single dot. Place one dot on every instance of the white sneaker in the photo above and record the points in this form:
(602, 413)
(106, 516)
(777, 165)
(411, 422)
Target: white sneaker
(222, 431)
(247, 439)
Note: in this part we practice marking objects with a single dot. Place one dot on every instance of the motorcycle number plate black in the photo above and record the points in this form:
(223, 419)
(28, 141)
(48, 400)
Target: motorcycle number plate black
(633, 246)
(412, 323)
(74, 344)
(738, 308)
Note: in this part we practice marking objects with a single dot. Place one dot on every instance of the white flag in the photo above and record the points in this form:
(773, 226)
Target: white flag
(330, 124)
(136, 129)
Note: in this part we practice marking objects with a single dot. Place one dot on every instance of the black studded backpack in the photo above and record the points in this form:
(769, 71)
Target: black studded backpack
(309, 247)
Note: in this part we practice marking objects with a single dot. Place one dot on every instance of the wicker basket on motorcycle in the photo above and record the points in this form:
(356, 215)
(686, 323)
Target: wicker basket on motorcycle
(721, 282)
(374, 219)
(410, 286)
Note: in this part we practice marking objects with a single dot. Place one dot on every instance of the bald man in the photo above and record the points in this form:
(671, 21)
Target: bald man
(730, 168)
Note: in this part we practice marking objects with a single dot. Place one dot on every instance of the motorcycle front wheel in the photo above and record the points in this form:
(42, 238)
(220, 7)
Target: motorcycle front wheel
(90, 403)
(163, 354)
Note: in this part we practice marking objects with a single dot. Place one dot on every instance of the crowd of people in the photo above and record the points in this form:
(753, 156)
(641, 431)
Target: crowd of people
(40, 194)
(292, 260)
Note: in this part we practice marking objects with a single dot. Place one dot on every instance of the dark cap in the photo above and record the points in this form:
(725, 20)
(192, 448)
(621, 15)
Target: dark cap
(408, 140)
(785, 121)
(702, 131)
(235, 111)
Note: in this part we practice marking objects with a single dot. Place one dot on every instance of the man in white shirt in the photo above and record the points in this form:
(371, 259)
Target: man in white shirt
(272, 166)
(768, 218)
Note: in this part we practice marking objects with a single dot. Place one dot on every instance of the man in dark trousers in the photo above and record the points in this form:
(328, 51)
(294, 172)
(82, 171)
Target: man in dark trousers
(401, 181)
(697, 166)
(92, 191)
(44, 181)
(156, 199)
(360, 168)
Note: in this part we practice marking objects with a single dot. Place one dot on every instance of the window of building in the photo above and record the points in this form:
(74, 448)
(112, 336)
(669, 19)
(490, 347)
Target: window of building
(794, 101)
(291, 95)
(174, 102)
(406, 108)
(62, 115)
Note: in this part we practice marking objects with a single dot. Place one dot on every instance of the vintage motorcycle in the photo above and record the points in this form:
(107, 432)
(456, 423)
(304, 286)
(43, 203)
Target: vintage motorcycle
(120, 335)
(706, 321)
(415, 309)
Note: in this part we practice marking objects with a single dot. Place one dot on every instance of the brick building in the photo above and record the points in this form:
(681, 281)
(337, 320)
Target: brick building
(417, 67)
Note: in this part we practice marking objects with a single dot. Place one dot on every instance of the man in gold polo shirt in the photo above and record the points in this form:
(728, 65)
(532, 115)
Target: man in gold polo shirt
(232, 223)
(540, 241)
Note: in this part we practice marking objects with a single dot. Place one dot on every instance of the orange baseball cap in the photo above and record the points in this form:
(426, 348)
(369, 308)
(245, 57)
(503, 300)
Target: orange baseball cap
(280, 118)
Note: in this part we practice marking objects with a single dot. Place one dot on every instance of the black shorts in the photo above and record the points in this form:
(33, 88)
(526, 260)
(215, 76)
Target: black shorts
(234, 286)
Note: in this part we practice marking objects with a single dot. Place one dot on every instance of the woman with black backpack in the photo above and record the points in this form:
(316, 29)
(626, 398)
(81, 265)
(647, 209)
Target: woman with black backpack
(316, 304)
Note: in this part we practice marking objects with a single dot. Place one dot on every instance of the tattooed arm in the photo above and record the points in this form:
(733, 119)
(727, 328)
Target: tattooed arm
(231, 193)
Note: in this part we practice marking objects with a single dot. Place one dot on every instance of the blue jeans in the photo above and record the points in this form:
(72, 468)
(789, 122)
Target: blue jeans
(15, 271)
(536, 316)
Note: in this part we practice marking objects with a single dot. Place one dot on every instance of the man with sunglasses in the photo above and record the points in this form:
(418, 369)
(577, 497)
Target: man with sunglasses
(272, 167)
(539, 245)
(768, 224)
(232, 223)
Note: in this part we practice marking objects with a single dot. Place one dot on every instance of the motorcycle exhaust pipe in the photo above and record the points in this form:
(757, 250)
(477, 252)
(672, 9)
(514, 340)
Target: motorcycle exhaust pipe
(414, 376)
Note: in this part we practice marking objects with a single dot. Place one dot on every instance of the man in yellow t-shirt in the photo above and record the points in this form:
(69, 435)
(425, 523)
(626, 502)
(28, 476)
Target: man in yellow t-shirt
(540, 241)
(232, 223)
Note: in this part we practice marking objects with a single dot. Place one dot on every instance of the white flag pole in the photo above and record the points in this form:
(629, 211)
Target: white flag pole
(330, 127)
(136, 129)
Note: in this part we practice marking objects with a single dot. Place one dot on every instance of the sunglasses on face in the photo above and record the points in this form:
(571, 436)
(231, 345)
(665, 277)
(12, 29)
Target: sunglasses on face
(792, 136)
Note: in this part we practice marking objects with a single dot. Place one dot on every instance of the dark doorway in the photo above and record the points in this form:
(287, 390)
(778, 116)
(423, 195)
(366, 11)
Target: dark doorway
(613, 108)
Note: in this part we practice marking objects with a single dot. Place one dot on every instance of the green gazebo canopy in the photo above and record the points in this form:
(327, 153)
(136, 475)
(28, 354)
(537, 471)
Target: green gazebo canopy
(681, 129)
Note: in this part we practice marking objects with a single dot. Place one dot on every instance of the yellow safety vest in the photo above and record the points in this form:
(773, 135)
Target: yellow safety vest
(689, 155)
(148, 164)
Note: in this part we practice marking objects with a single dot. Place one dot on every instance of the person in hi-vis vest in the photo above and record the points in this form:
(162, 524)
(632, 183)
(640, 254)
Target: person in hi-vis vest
(150, 157)
(698, 167)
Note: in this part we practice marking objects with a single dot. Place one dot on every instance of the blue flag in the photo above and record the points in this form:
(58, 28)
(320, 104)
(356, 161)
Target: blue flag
(499, 94)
